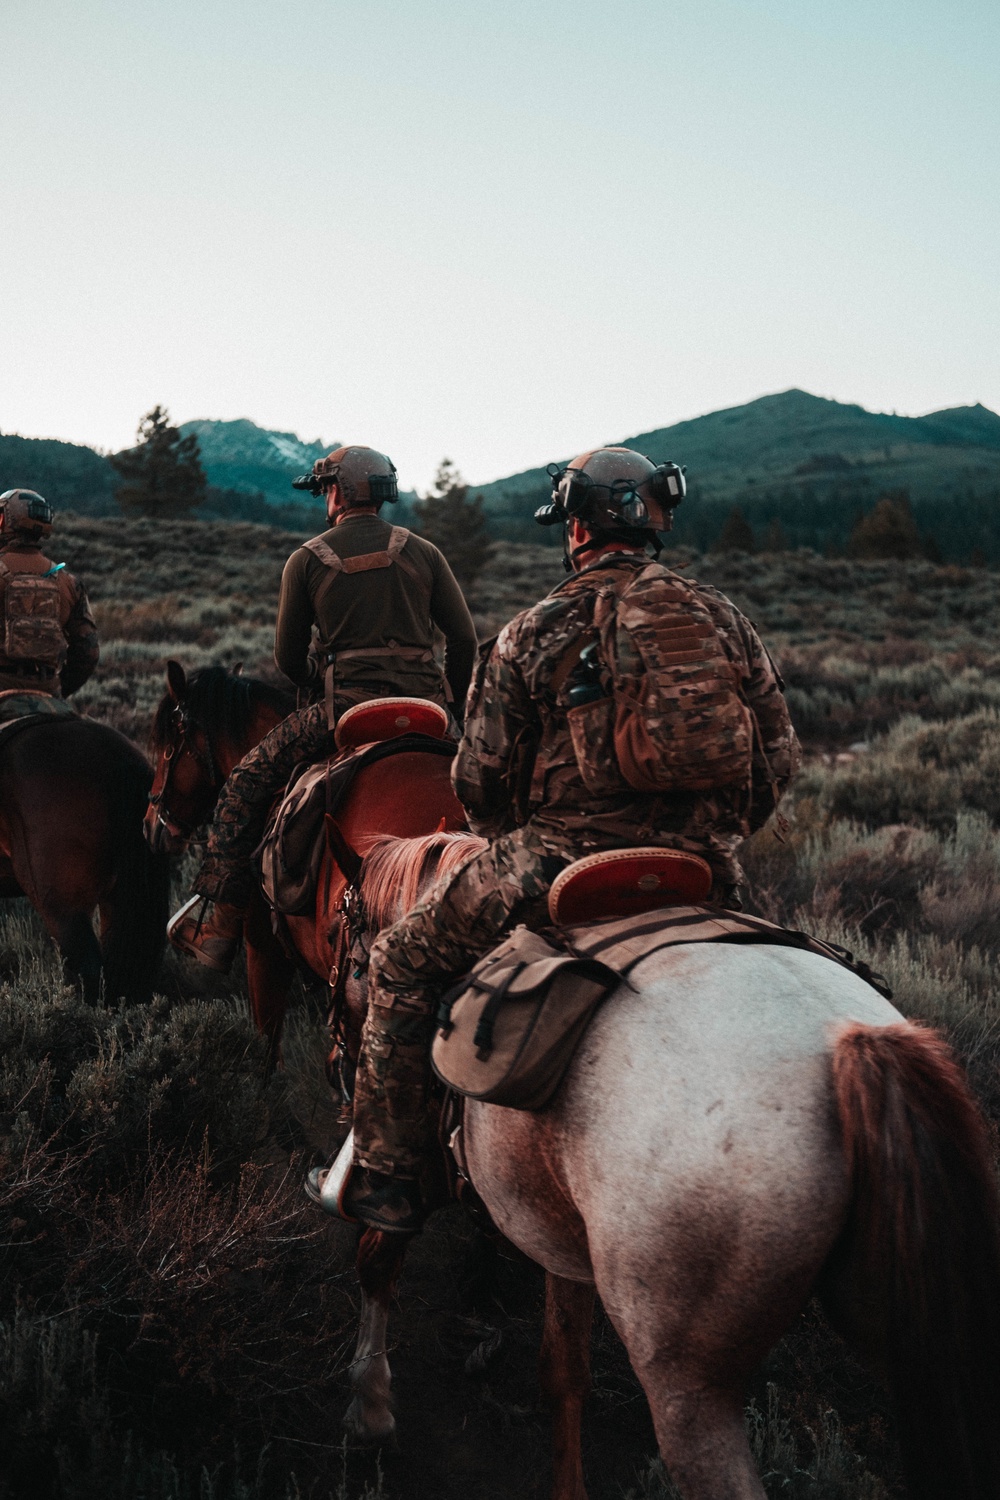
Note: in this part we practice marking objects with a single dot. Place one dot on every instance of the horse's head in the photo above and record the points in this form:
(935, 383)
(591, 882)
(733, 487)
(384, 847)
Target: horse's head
(188, 779)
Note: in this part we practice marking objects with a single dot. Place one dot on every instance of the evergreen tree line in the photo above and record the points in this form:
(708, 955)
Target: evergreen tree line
(960, 524)
(889, 530)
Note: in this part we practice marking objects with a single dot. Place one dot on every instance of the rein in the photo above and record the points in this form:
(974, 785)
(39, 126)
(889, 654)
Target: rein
(185, 744)
(351, 951)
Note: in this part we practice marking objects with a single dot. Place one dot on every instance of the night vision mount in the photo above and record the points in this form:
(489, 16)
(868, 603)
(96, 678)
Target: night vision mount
(382, 488)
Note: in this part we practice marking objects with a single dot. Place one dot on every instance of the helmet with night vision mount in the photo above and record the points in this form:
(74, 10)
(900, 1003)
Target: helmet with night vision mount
(613, 489)
(25, 513)
(362, 475)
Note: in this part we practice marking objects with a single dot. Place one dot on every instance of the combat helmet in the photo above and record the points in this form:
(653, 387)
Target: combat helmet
(614, 489)
(363, 476)
(25, 513)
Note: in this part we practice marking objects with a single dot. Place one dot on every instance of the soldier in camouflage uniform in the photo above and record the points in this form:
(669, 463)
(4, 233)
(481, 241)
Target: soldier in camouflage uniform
(67, 654)
(517, 774)
(358, 609)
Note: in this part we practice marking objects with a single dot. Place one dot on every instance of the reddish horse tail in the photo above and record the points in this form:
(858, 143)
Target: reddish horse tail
(923, 1253)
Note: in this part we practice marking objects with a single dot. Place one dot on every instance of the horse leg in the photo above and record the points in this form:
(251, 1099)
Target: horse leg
(380, 1258)
(564, 1369)
(702, 1438)
(81, 952)
(269, 975)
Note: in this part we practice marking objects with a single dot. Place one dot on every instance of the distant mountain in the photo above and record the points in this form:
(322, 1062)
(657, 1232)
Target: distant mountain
(71, 476)
(242, 456)
(813, 465)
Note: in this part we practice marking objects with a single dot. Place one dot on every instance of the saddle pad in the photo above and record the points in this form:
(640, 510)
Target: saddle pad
(624, 942)
(17, 703)
(509, 1029)
(388, 718)
(22, 708)
(625, 882)
(291, 851)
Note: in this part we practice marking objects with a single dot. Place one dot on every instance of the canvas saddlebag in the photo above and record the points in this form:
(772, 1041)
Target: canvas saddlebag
(673, 717)
(509, 1029)
(290, 855)
(294, 842)
(32, 629)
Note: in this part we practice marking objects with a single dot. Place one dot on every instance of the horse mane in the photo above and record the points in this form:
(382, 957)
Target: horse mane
(396, 872)
(222, 703)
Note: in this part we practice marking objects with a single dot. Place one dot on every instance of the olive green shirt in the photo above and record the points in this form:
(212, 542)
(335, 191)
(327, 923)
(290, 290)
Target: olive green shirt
(322, 614)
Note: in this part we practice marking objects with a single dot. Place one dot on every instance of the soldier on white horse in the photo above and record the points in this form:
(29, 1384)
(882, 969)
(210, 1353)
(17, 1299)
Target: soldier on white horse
(537, 780)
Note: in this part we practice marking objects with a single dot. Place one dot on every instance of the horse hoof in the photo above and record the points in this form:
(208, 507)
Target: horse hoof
(377, 1429)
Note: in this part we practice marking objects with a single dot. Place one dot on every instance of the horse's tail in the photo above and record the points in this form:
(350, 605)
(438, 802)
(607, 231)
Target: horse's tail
(923, 1250)
(139, 903)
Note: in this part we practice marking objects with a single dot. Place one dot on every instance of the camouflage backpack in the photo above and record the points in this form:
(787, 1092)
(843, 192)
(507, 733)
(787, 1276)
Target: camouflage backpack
(670, 715)
(32, 628)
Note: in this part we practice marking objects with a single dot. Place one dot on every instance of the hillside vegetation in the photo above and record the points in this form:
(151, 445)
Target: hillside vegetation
(814, 466)
(177, 1323)
(807, 465)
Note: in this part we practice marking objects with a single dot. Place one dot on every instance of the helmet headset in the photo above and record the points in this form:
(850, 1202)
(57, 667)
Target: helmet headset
(629, 499)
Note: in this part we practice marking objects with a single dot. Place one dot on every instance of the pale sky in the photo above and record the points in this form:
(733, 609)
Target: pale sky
(504, 232)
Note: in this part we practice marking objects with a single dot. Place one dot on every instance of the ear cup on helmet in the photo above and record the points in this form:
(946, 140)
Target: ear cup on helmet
(667, 485)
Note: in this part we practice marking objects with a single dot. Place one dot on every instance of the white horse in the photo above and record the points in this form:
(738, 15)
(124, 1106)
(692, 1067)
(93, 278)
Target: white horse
(747, 1127)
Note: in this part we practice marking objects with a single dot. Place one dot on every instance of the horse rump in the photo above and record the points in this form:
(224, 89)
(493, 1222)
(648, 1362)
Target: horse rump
(921, 1252)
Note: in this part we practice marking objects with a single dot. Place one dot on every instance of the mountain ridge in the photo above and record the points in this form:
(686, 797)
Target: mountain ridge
(975, 426)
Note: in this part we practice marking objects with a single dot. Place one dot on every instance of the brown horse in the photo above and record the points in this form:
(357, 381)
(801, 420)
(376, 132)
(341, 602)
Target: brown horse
(72, 796)
(206, 724)
(743, 1127)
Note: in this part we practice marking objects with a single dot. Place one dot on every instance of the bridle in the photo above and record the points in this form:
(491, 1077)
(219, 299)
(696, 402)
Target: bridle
(184, 743)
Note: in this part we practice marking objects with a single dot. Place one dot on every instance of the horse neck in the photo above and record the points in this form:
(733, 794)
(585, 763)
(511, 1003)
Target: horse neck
(229, 751)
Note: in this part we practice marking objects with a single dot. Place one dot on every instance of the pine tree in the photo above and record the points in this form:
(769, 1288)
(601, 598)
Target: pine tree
(887, 531)
(737, 534)
(448, 518)
(162, 475)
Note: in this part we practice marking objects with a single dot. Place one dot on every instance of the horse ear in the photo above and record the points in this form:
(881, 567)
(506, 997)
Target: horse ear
(176, 681)
(237, 670)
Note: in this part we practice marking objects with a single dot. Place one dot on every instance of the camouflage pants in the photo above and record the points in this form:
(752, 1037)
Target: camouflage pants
(461, 917)
(227, 872)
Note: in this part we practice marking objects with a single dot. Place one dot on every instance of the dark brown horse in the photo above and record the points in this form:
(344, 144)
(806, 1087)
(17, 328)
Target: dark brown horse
(203, 727)
(72, 795)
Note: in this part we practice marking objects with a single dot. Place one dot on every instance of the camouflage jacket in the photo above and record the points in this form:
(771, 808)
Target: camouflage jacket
(516, 761)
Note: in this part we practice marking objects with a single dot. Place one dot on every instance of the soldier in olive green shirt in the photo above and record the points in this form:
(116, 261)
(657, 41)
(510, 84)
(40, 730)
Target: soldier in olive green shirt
(356, 619)
(373, 623)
